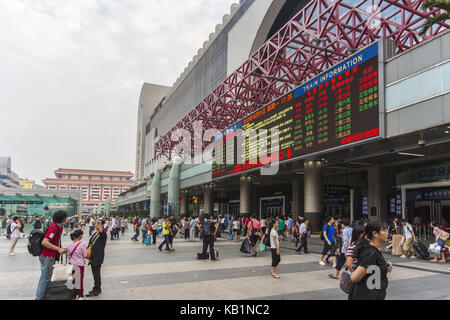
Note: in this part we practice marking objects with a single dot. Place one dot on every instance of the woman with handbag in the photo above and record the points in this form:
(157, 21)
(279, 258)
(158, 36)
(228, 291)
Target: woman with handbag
(438, 233)
(76, 252)
(96, 255)
(371, 260)
(274, 247)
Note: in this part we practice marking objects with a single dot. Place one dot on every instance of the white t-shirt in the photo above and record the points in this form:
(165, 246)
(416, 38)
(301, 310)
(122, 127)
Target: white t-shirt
(407, 229)
(14, 232)
(272, 243)
(303, 228)
(236, 224)
(91, 222)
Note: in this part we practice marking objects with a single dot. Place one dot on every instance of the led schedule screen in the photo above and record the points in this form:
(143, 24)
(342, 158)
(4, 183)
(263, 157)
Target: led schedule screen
(338, 107)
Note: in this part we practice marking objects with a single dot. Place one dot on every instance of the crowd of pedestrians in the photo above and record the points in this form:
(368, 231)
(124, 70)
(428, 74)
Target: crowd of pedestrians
(354, 247)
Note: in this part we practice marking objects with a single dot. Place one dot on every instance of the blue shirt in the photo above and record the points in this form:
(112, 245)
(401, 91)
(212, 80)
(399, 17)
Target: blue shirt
(346, 236)
(330, 233)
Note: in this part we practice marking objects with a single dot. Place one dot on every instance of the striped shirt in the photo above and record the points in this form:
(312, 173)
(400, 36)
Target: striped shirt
(350, 253)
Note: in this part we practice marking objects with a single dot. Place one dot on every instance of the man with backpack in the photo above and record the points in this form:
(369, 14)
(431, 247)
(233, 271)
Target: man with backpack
(329, 244)
(208, 229)
(51, 249)
(253, 234)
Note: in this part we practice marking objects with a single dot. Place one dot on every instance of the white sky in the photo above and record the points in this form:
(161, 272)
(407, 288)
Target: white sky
(71, 72)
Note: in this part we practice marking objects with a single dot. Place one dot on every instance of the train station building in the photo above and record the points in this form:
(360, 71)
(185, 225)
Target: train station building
(360, 99)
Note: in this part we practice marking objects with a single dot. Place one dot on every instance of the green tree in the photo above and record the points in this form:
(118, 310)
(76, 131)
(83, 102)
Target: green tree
(444, 5)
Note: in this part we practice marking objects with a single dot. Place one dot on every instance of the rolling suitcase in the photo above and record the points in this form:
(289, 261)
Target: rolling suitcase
(57, 290)
(199, 255)
(421, 250)
(147, 240)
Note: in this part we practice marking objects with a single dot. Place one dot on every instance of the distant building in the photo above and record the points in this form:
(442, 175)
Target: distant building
(26, 184)
(8, 178)
(96, 185)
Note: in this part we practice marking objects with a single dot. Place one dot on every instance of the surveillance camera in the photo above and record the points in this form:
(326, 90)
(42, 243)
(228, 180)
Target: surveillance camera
(421, 141)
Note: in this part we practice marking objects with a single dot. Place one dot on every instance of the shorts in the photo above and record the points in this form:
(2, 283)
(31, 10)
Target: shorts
(253, 240)
(331, 248)
(170, 239)
(441, 243)
(237, 231)
(275, 258)
(279, 232)
(144, 233)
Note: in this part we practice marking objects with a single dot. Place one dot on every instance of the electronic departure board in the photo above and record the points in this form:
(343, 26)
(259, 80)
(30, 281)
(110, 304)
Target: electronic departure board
(335, 109)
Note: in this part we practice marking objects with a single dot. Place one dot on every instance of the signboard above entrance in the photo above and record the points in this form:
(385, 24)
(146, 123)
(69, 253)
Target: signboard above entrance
(427, 195)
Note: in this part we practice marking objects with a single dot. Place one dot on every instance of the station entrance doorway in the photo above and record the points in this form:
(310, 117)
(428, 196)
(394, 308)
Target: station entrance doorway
(425, 205)
(272, 207)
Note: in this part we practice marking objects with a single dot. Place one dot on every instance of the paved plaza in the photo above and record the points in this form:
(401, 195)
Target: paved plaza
(133, 271)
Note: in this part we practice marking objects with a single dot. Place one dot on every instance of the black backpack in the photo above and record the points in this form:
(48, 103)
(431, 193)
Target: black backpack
(321, 234)
(206, 228)
(35, 239)
(35, 242)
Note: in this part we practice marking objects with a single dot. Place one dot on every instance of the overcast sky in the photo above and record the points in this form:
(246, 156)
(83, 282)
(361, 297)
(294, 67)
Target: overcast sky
(71, 72)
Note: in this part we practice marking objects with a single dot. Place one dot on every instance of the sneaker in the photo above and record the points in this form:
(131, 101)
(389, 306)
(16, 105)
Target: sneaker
(11, 253)
(334, 266)
(322, 263)
(413, 257)
(404, 257)
(81, 298)
(328, 262)
(160, 249)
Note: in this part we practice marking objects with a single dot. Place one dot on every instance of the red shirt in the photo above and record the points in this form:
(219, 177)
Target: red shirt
(253, 223)
(53, 234)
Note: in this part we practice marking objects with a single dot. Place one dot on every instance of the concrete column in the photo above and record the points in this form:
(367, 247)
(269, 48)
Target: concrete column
(155, 198)
(173, 193)
(374, 192)
(246, 196)
(403, 202)
(208, 202)
(352, 205)
(313, 193)
(184, 208)
(222, 205)
(297, 195)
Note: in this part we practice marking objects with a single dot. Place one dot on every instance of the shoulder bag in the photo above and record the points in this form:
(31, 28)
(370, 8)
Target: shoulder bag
(62, 272)
(346, 283)
(89, 249)
(443, 235)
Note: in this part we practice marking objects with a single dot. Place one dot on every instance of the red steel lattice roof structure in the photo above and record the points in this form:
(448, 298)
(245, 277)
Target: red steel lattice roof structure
(322, 34)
